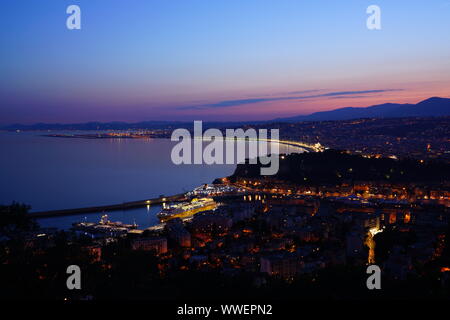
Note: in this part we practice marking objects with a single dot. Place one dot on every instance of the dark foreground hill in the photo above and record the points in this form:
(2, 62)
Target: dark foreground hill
(334, 167)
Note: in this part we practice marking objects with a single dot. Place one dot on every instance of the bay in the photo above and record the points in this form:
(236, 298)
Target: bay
(51, 173)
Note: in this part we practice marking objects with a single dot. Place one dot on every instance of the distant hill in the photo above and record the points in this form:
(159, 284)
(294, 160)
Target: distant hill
(117, 125)
(432, 107)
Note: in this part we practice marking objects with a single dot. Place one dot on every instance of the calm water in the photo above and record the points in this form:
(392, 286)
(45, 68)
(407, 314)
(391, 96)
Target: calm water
(58, 173)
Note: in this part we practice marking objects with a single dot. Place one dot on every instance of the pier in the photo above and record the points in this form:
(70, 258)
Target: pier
(113, 207)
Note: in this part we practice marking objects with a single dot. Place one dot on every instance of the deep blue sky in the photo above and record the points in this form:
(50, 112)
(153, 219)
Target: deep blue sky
(224, 59)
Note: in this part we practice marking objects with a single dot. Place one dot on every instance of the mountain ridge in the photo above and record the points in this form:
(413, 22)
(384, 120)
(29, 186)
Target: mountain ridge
(431, 107)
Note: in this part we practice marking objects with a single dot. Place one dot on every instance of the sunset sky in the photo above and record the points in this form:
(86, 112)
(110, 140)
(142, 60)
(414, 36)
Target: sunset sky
(138, 60)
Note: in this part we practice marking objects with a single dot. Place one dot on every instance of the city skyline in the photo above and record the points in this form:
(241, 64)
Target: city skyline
(224, 61)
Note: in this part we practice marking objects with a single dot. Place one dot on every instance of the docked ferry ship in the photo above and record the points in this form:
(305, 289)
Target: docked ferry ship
(186, 209)
(104, 227)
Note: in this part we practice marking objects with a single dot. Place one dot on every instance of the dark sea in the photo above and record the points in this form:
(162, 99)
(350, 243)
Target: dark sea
(51, 173)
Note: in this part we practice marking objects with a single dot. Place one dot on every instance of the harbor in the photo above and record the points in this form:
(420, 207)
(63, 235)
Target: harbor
(150, 214)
